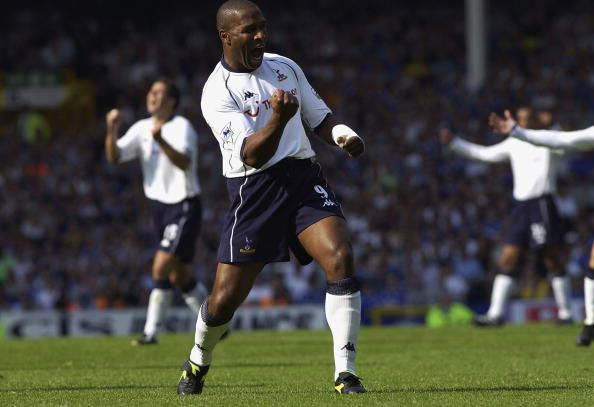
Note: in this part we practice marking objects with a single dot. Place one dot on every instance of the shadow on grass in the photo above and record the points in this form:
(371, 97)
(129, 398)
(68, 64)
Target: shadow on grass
(121, 387)
(480, 389)
(160, 366)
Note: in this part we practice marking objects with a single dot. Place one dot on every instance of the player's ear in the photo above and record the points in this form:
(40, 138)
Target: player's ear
(225, 37)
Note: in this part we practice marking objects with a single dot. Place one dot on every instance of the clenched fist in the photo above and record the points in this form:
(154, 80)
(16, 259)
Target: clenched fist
(284, 104)
(113, 119)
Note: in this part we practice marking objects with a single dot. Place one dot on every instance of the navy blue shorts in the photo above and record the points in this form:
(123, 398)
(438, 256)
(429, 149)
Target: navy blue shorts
(535, 223)
(178, 226)
(269, 209)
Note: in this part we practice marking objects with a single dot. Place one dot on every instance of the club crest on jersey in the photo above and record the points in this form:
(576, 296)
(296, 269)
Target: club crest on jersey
(279, 75)
(228, 137)
(251, 102)
(247, 248)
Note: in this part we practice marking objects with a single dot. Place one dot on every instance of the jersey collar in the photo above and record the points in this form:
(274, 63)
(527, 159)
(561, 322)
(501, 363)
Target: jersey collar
(227, 67)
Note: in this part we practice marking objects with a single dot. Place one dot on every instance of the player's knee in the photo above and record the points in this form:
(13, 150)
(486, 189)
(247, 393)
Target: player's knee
(179, 278)
(340, 262)
(222, 306)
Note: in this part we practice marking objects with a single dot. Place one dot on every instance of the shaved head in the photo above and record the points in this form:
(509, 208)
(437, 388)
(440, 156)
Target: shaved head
(229, 10)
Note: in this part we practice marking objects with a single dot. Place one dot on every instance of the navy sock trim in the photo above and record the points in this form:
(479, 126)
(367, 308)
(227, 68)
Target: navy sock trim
(210, 320)
(590, 273)
(164, 284)
(189, 286)
(343, 287)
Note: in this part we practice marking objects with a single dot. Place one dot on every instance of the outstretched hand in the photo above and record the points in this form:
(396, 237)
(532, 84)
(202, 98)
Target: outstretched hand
(446, 136)
(502, 125)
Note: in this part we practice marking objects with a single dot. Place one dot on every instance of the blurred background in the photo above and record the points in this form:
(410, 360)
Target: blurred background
(75, 232)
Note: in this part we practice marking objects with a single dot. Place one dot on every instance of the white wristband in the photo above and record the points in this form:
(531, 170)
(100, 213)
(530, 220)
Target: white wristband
(342, 130)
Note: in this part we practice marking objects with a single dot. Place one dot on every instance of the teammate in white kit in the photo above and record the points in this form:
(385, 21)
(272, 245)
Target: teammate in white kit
(255, 104)
(167, 146)
(534, 223)
(580, 140)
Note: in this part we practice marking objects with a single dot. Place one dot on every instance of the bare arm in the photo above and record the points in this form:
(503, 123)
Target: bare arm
(259, 147)
(575, 140)
(114, 121)
(180, 160)
(490, 154)
(567, 140)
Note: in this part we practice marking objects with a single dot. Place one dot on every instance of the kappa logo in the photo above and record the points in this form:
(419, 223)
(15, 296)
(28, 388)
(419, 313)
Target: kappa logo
(350, 346)
(247, 248)
(279, 75)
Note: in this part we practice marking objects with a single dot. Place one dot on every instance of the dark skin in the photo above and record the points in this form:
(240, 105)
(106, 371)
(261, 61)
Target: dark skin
(243, 36)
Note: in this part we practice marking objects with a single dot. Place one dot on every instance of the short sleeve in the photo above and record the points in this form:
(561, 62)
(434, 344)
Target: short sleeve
(129, 144)
(228, 124)
(313, 108)
(188, 143)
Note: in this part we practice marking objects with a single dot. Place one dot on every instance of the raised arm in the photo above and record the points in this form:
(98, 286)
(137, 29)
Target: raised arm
(261, 146)
(179, 159)
(489, 154)
(581, 140)
(567, 140)
(113, 120)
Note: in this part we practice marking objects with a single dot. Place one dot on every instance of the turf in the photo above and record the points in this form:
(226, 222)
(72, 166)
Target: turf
(516, 365)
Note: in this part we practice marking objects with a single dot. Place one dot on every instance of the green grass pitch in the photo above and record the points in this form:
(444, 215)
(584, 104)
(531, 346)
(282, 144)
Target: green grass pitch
(516, 365)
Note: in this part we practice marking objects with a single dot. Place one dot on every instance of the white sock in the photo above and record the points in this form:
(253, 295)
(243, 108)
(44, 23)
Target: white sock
(159, 301)
(205, 339)
(589, 300)
(343, 313)
(195, 297)
(502, 286)
(562, 294)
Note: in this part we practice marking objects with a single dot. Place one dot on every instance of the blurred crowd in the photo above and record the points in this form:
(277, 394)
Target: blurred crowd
(76, 232)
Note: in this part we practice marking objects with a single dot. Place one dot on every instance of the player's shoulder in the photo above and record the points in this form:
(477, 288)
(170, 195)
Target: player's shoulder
(270, 57)
(140, 125)
(216, 86)
(216, 79)
(179, 119)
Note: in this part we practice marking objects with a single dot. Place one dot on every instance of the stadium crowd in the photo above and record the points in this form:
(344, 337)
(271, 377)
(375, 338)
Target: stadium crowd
(76, 233)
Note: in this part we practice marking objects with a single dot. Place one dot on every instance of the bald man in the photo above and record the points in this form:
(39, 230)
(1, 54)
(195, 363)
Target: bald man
(255, 104)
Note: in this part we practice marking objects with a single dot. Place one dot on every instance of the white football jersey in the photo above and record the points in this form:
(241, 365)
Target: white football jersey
(581, 140)
(533, 168)
(162, 180)
(237, 104)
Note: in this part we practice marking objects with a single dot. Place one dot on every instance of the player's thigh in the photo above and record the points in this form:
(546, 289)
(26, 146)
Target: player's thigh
(509, 258)
(163, 264)
(551, 256)
(328, 242)
(180, 274)
(233, 283)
